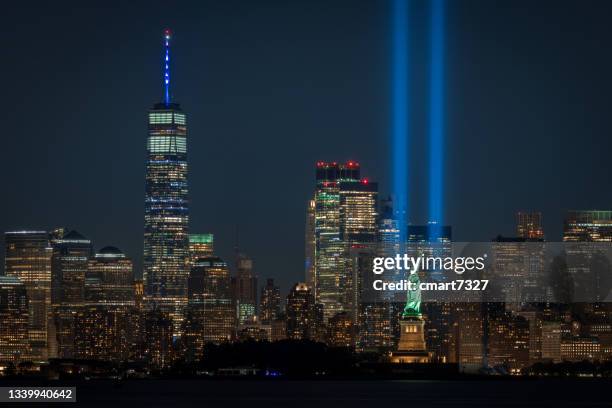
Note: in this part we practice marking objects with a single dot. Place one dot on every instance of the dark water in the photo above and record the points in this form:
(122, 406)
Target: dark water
(316, 394)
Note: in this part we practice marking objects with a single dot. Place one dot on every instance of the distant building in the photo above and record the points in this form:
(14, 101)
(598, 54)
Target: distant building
(106, 332)
(69, 264)
(270, 302)
(14, 328)
(310, 245)
(578, 348)
(107, 326)
(28, 257)
(166, 218)
(518, 266)
(529, 225)
(244, 288)
(255, 331)
(110, 279)
(341, 331)
(300, 313)
(158, 339)
(200, 246)
(508, 342)
(279, 328)
(210, 315)
(139, 295)
(345, 213)
(588, 226)
(551, 341)
(587, 235)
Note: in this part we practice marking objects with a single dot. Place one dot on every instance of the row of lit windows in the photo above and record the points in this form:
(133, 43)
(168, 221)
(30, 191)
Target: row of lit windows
(166, 144)
(157, 118)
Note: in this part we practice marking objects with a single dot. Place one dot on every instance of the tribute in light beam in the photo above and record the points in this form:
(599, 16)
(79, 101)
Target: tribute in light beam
(436, 121)
(400, 112)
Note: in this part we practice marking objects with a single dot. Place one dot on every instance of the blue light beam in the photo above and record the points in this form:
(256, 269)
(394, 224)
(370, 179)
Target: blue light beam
(436, 120)
(400, 114)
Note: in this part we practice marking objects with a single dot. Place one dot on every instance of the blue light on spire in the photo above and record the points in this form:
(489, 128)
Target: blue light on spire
(436, 121)
(167, 36)
(400, 114)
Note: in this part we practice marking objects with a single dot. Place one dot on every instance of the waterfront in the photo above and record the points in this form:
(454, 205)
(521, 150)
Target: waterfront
(332, 393)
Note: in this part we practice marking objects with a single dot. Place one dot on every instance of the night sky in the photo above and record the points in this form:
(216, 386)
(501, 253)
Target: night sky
(271, 87)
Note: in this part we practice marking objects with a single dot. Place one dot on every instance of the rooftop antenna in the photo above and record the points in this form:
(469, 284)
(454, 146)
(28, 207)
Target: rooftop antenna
(167, 36)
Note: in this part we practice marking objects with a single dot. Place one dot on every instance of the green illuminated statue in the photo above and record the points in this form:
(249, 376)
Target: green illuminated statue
(413, 301)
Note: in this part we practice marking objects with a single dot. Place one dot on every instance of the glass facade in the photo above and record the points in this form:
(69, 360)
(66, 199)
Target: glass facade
(28, 257)
(166, 240)
(345, 214)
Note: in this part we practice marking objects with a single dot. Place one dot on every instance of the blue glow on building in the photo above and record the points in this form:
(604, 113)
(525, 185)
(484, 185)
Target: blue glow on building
(436, 120)
(167, 68)
(400, 114)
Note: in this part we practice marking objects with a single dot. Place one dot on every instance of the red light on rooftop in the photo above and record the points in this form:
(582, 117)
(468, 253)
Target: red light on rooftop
(365, 181)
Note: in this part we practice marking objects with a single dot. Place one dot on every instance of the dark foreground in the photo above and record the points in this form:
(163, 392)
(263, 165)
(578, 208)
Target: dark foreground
(330, 393)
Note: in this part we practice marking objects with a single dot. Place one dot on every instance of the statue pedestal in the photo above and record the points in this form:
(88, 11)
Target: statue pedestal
(411, 347)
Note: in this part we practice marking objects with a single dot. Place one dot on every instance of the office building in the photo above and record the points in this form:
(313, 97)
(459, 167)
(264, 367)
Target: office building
(200, 246)
(270, 302)
(300, 313)
(166, 241)
(529, 225)
(14, 328)
(210, 314)
(244, 290)
(28, 257)
(110, 279)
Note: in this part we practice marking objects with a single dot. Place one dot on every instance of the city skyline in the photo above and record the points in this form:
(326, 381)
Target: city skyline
(112, 173)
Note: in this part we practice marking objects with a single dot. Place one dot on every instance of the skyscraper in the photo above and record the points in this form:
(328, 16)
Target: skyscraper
(309, 245)
(14, 344)
(166, 246)
(71, 254)
(210, 316)
(200, 246)
(345, 214)
(269, 306)
(588, 226)
(28, 257)
(300, 313)
(244, 288)
(110, 279)
(529, 225)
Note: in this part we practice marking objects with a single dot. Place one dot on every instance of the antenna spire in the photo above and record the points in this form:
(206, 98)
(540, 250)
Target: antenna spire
(167, 36)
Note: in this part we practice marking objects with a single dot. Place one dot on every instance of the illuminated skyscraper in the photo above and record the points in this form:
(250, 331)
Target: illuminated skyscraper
(270, 303)
(244, 288)
(300, 313)
(28, 257)
(529, 225)
(200, 246)
(14, 343)
(210, 315)
(345, 214)
(310, 244)
(588, 226)
(70, 259)
(110, 279)
(166, 250)
(69, 263)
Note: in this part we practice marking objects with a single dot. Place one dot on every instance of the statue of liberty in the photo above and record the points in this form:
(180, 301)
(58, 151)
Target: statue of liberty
(413, 301)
